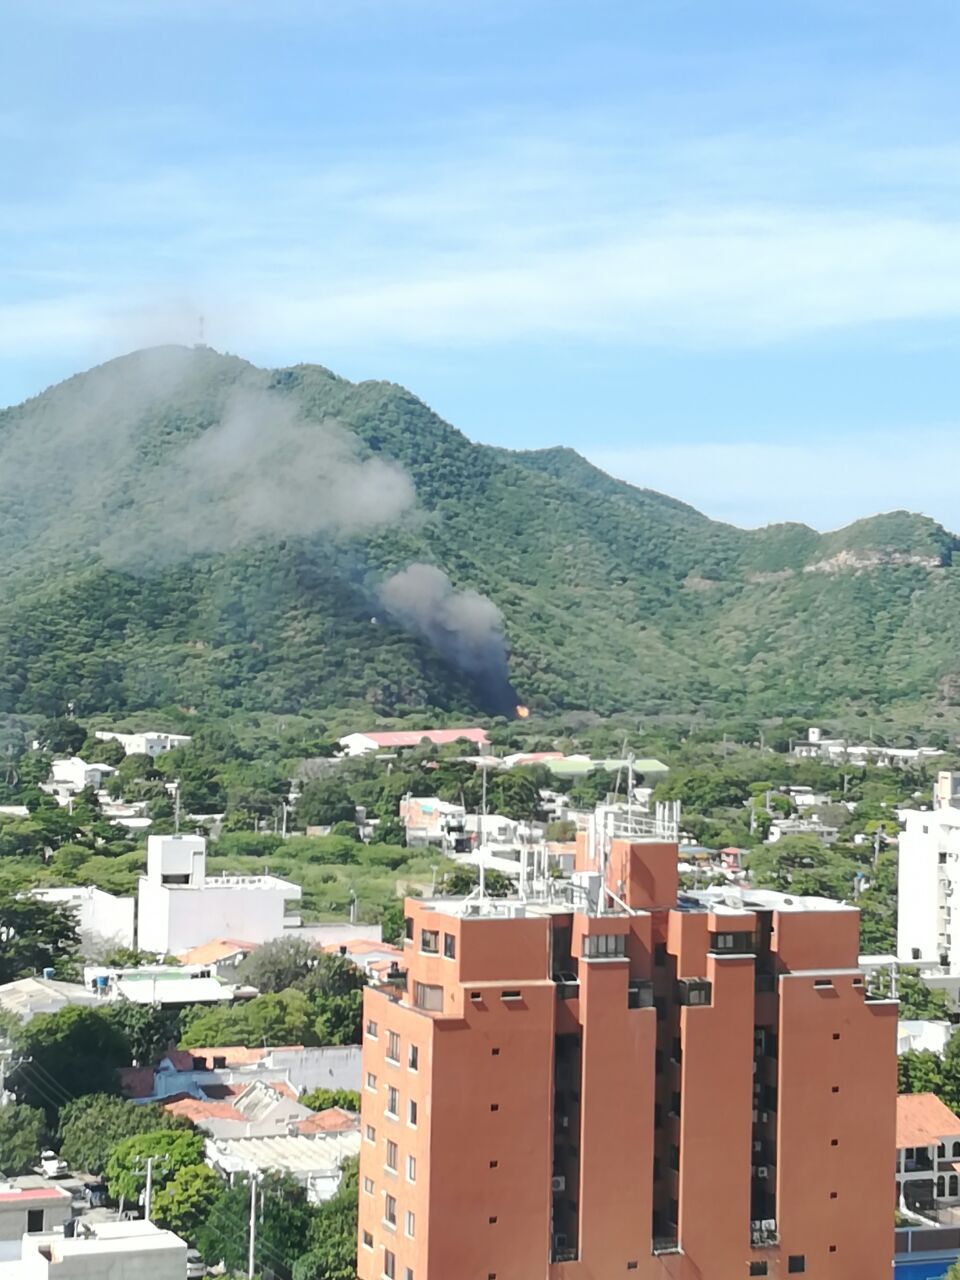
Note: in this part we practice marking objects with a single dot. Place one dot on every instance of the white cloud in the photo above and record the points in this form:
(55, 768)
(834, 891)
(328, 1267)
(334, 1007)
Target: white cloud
(822, 481)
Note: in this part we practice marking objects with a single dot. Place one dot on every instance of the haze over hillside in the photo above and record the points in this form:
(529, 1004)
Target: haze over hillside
(181, 528)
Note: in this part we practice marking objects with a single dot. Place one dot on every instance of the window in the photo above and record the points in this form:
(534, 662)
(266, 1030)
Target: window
(392, 1155)
(835, 1088)
(393, 1101)
(428, 997)
(494, 1106)
(371, 1029)
(836, 1036)
(412, 1113)
(389, 1265)
(34, 1221)
(408, 1273)
(411, 1169)
(368, 1186)
(367, 1240)
(511, 995)
(430, 941)
(695, 991)
(834, 1142)
(823, 982)
(408, 927)
(660, 954)
(732, 943)
(370, 1133)
(604, 945)
(413, 1057)
(494, 1164)
(393, 1046)
(833, 1195)
(952, 1188)
(941, 1187)
(796, 1263)
(449, 946)
(476, 996)
(371, 1082)
(494, 1053)
(956, 1150)
(410, 1224)
(492, 1221)
(390, 1210)
(758, 1268)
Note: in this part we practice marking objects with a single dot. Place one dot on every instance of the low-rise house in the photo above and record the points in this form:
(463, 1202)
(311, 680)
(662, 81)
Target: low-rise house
(359, 744)
(371, 957)
(225, 954)
(313, 1160)
(28, 1206)
(811, 826)
(103, 919)
(152, 743)
(26, 997)
(216, 1074)
(430, 820)
(928, 1153)
(255, 1110)
(105, 1251)
(923, 1035)
(179, 906)
(166, 985)
(68, 777)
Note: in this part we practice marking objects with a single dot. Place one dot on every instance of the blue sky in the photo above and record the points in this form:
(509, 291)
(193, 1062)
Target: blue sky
(715, 247)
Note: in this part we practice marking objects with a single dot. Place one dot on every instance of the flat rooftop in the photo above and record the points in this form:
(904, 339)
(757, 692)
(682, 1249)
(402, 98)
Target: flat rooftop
(106, 1238)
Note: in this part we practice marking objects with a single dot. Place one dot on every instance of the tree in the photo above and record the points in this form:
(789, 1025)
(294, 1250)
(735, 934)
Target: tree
(391, 831)
(286, 1017)
(171, 1149)
(325, 802)
(278, 964)
(61, 736)
(803, 866)
(283, 1226)
(464, 879)
(333, 1234)
(393, 923)
(339, 1018)
(322, 1099)
(94, 1125)
(21, 1132)
(149, 1028)
(34, 935)
(75, 1051)
(186, 1201)
(919, 1071)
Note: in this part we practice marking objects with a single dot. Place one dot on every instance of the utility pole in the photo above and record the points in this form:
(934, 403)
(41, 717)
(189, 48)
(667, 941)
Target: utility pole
(176, 807)
(148, 1197)
(251, 1258)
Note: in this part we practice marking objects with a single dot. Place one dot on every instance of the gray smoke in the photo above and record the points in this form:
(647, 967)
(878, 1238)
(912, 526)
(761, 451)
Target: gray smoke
(263, 472)
(465, 626)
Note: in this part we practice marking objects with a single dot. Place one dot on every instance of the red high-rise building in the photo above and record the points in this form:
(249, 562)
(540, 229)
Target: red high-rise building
(692, 1086)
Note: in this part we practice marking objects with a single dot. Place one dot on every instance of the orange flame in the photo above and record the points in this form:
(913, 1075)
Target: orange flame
(522, 712)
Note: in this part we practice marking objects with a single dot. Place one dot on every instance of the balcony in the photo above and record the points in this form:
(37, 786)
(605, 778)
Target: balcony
(666, 1244)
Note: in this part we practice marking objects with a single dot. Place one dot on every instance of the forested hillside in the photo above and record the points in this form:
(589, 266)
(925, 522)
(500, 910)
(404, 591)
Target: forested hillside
(181, 529)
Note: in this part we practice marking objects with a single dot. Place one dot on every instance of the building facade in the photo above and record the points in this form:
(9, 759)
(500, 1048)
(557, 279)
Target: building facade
(927, 877)
(145, 744)
(636, 1081)
(179, 906)
(103, 919)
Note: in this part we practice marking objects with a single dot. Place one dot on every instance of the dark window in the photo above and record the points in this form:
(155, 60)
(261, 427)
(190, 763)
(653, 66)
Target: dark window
(835, 1089)
(219, 1062)
(476, 996)
(833, 1248)
(494, 1106)
(694, 991)
(491, 1221)
(413, 1057)
(833, 1195)
(758, 1268)
(408, 927)
(494, 1164)
(510, 995)
(449, 946)
(660, 954)
(428, 997)
(796, 1262)
(633, 1266)
(836, 1035)
(658, 1060)
(494, 1053)
(34, 1220)
(604, 945)
(834, 1142)
(430, 941)
(915, 953)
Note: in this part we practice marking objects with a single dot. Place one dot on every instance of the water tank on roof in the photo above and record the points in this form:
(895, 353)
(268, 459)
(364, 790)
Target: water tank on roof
(48, 973)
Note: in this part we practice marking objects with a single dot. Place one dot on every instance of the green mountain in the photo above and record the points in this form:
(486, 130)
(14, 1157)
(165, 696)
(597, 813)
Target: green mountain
(180, 528)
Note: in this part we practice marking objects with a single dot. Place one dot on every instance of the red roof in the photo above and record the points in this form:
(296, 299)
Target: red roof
(333, 1120)
(924, 1121)
(196, 1110)
(238, 1055)
(33, 1193)
(439, 737)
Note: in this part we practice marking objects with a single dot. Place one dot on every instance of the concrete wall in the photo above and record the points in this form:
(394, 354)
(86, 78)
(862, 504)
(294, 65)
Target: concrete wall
(174, 919)
(101, 917)
(919, 919)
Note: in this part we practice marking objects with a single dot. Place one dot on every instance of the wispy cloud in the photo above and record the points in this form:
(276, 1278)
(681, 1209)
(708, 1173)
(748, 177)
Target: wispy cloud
(823, 481)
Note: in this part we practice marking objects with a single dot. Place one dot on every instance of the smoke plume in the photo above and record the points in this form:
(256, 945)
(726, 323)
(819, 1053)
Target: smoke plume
(464, 626)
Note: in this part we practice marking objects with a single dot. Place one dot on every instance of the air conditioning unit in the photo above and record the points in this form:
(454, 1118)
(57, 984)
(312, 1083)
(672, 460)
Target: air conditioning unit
(763, 1171)
(559, 1183)
(758, 1146)
(560, 1240)
(769, 1224)
(756, 1116)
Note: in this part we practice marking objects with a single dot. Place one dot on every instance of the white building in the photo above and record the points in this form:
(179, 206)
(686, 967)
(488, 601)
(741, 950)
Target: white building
(29, 1208)
(928, 1153)
(102, 918)
(205, 1072)
(927, 877)
(165, 985)
(360, 744)
(105, 1251)
(26, 997)
(315, 1160)
(918, 1035)
(72, 775)
(150, 744)
(179, 906)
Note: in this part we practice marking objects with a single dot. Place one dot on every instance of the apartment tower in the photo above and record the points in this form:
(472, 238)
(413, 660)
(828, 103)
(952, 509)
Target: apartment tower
(634, 1081)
